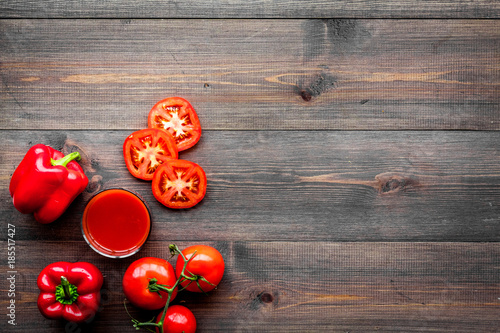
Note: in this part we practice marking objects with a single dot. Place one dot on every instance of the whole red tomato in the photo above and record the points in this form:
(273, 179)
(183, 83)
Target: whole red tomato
(204, 270)
(178, 319)
(145, 281)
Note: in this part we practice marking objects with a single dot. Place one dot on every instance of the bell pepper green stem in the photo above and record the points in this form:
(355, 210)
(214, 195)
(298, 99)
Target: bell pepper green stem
(66, 293)
(66, 159)
(65, 285)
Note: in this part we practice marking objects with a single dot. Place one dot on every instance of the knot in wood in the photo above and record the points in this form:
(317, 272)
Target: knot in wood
(391, 183)
(266, 297)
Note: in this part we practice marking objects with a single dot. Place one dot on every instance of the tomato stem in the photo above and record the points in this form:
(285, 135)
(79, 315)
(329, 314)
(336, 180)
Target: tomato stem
(173, 250)
(138, 324)
(154, 287)
(195, 278)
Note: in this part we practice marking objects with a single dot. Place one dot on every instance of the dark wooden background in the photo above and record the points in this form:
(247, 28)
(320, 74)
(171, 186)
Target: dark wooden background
(352, 151)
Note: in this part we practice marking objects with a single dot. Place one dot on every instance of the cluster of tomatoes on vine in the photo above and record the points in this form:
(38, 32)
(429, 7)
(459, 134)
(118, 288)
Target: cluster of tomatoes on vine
(152, 283)
(152, 154)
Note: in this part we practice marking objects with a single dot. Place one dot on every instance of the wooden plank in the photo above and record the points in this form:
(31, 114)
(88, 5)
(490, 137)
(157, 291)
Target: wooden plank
(321, 185)
(252, 74)
(249, 9)
(299, 286)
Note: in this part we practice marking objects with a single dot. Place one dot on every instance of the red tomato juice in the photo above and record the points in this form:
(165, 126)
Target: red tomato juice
(116, 223)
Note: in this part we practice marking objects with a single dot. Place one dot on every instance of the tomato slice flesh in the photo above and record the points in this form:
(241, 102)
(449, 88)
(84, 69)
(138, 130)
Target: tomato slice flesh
(179, 184)
(182, 185)
(146, 150)
(180, 125)
(177, 116)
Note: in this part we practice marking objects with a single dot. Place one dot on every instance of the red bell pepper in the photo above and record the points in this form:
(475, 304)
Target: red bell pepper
(70, 291)
(46, 182)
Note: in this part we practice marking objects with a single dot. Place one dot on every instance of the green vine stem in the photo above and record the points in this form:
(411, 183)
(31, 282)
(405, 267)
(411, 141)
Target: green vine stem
(154, 287)
(194, 278)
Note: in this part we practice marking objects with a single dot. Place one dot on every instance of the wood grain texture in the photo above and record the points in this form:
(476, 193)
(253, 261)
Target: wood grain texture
(301, 286)
(280, 185)
(253, 74)
(353, 164)
(249, 9)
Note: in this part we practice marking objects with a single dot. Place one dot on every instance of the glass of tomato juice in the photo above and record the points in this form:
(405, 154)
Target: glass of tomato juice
(116, 223)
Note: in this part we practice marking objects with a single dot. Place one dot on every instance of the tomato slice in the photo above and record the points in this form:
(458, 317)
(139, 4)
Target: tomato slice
(177, 116)
(145, 150)
(179, 184)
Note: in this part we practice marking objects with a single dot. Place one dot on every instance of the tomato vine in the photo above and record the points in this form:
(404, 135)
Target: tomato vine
(154, 287)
